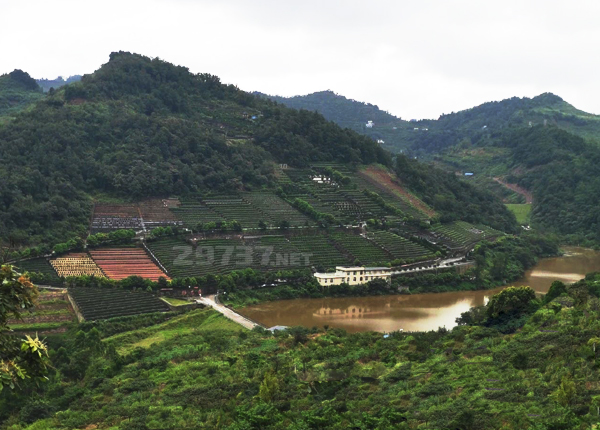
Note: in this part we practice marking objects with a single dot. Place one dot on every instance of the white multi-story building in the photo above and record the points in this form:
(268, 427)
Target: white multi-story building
(354, 275)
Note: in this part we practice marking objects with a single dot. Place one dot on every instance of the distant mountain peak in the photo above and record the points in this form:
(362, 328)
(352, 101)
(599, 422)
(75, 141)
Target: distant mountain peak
(547, 99)
(23, 80)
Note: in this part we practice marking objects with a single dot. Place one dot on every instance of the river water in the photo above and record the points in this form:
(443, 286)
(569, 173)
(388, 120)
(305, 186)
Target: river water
(417, 312)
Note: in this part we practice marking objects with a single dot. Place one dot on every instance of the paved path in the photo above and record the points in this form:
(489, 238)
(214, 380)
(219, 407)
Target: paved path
(451, 262)
(233, 316)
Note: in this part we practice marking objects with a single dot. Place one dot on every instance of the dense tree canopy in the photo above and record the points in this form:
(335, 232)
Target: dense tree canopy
(142, 127)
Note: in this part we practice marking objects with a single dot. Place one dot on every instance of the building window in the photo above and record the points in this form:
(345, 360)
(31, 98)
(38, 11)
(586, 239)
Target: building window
(361, 278)
(354, 278)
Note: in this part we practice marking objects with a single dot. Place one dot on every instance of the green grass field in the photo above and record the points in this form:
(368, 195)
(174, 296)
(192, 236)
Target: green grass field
(192, 322)
(176, 302)
(521, 211)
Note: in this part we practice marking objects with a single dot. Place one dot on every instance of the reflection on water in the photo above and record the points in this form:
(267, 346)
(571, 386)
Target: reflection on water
(414, 312)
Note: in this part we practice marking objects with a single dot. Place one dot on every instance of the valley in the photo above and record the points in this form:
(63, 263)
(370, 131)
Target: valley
(142, 195)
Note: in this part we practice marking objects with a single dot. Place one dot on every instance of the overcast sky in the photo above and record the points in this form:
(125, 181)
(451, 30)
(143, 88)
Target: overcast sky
(415, 59)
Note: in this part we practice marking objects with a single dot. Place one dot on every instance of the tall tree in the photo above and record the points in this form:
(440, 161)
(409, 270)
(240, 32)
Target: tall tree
(20, 359)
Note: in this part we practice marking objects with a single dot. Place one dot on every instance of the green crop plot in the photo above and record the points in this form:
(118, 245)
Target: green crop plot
(521, 211)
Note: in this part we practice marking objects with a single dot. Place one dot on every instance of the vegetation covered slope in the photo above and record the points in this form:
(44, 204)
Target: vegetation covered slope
(46, 84)
(350, 114)
(453, 198)
(18, 90)
(516, 363)
(139, 127)
(479, 122)
(560, 169)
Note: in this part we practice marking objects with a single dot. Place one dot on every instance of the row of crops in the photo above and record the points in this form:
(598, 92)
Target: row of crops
(220, 256)
(345, 200)
(460, 234)
(101, 303)
(248, 209)
(43, 270)
(399, 247)
(52, 313)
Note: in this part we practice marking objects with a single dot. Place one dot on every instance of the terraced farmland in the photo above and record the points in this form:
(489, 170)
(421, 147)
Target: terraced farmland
(76, 264)
(366, 251)
(212, 256)
(42, 266)
(157, 213)
(191, 213)
(109, 217)
(120, 263)
(236, 208)
(347, 200)
(401, 248)
(104, 303)
(460, 234)
(276, 252)
(51, 314)
(276, 209)
(322, 251)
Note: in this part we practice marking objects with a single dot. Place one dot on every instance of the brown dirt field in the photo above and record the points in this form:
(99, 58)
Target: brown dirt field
(527, 194)
(385, 179)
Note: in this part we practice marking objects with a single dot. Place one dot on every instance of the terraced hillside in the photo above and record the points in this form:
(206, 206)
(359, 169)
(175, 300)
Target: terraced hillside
(108, 217)
(193, 212)
(352, 196)
(76, 264)
(462, 235)
(120, 263)
(104, 303)
(40, 270)
(52, 314)
(321, 249)
(401, 248)
(365, 251)
(134, 216)
(212, 256)
(275, 210)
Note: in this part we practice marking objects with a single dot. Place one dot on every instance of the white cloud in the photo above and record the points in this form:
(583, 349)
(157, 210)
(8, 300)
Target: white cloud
(414, 59)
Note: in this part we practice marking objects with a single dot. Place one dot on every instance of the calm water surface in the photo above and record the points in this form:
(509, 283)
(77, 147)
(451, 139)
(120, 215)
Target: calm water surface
(415, 312)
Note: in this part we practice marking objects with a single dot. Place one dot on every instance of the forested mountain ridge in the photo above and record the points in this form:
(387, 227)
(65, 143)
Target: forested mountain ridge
(427, 136)
(477, 125)
(351, 114)
(560, 169)
(17, 91)
(46, 84)
(141, 127)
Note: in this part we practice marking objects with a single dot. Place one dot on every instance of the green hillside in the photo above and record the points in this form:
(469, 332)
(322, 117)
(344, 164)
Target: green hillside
(140, 128)
(517, 363)
(351, 114)
(18, 90)
(560, 169)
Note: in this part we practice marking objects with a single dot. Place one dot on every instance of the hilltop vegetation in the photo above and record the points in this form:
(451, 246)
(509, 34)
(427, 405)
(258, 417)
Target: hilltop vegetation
(516, 363)
(18, 90)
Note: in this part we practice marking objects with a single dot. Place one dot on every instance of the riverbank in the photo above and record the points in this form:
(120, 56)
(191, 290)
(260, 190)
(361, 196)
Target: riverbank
(415, 312)
(504, 261)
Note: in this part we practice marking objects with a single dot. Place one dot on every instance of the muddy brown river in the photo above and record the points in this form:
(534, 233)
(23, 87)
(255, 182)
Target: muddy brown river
(417, 312)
